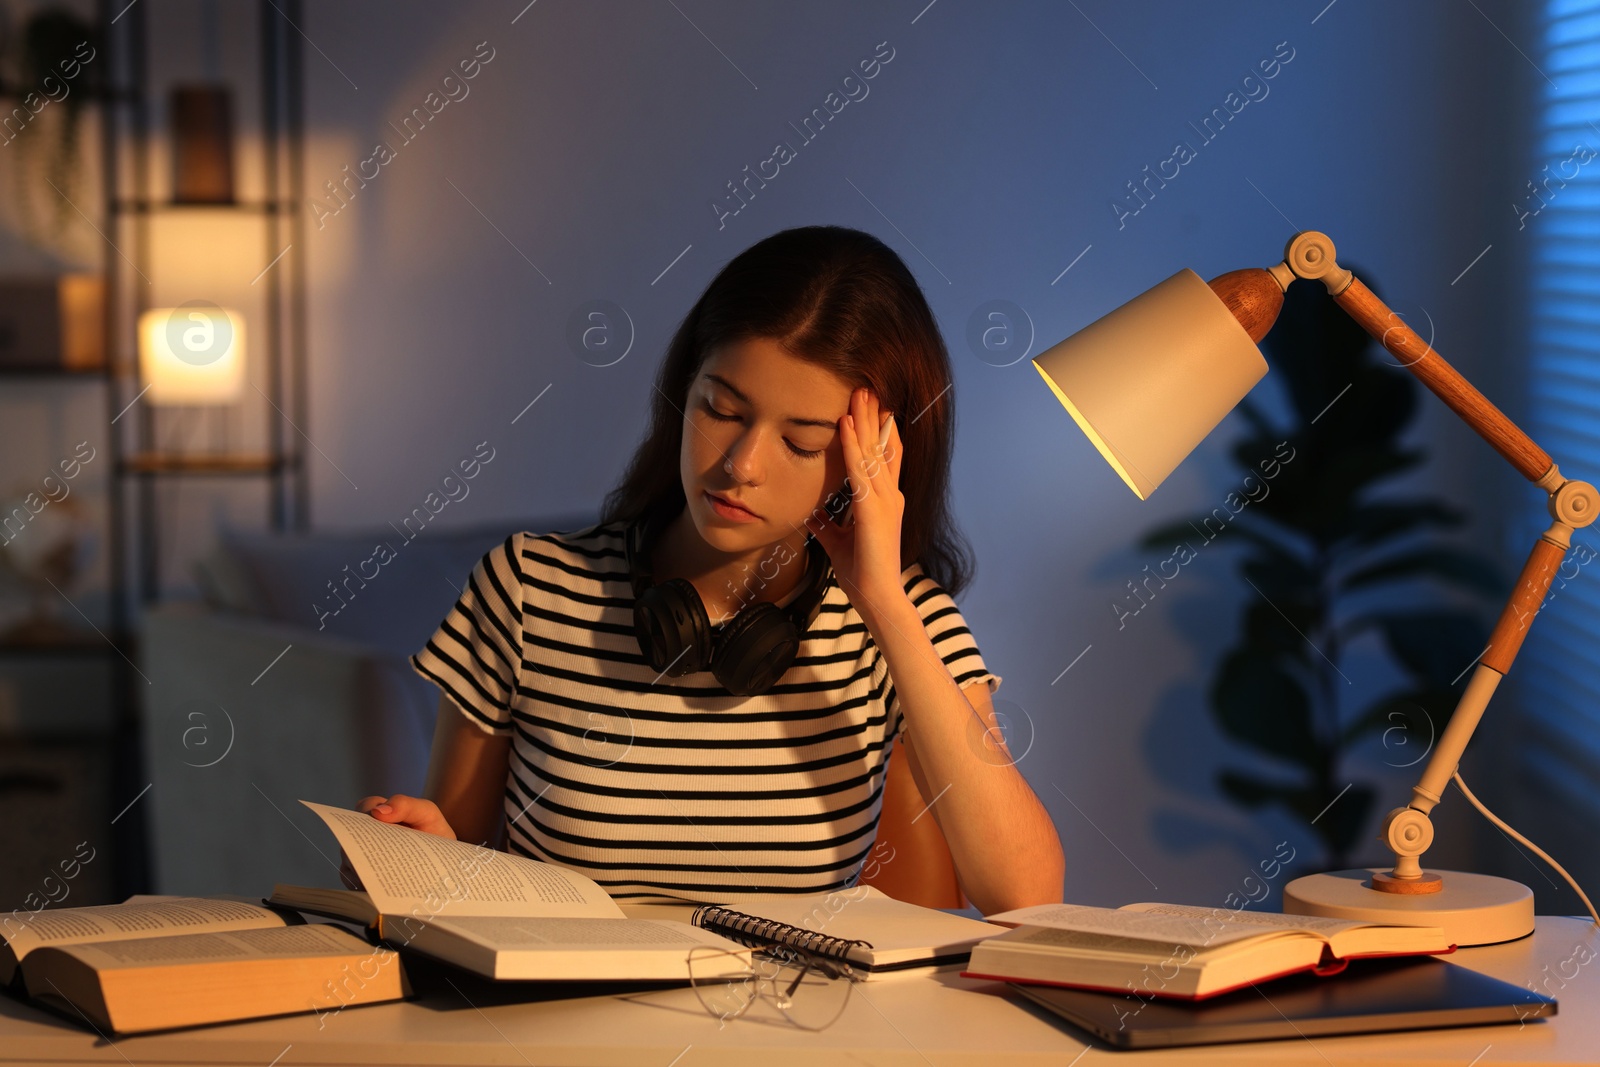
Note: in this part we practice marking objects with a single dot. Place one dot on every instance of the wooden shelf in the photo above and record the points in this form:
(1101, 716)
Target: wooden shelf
(59, 641)
(94, 94)
(166, 463)
(159, 207)
(54, 373)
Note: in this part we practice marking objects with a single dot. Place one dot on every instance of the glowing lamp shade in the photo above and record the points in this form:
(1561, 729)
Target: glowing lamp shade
(1149, 380)
(194, 354)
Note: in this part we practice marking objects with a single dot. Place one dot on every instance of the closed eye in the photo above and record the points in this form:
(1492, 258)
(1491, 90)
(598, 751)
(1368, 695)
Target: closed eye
(802, 453)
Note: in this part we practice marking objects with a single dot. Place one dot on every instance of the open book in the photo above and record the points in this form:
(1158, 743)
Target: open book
(153, 964)
(862, 925)
(498, 915)
(1171, 950)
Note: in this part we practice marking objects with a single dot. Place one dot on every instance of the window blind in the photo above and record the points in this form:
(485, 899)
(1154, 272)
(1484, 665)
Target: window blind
(1559, 210)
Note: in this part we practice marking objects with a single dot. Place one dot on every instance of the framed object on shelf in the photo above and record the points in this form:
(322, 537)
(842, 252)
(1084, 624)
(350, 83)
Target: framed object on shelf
(53, 324)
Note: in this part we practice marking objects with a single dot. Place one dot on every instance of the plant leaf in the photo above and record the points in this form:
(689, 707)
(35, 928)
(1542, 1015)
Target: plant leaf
(1251, 413)
(1451, 565)
(1165, 536)
(1265, 707)
(1354, 467)
(1288, 583)
(1336, 815)
(1404, 712)
(1268, 634)
(1254, 792)
(1369, 523)
(1410, 721)
(1436, 646)
(1341, 819)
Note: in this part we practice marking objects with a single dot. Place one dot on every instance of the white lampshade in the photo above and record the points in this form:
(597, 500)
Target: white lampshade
(1149, 380)
(194, 354)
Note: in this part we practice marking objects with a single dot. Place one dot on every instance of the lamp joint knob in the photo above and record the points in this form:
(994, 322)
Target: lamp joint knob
(1575, 503)
(1407, 832)
(1310, 254)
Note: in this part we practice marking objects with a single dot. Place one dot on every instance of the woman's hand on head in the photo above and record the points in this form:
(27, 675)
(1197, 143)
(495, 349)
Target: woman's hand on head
(865, 553)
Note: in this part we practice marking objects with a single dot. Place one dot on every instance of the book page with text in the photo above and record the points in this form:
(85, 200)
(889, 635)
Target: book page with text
(555, 935)
(109, 922)
(1196, 927)
(409, 872)
(1314, 925)
(1344, 937)
(291, 942)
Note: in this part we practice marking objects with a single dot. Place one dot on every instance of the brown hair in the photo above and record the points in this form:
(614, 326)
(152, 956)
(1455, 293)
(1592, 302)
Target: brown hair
(843, 300)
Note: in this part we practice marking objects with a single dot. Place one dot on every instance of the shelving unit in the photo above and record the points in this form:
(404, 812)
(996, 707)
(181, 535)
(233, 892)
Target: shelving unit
(88, 374)
(278, 338)
(134, 526)
(157, 463)
(137, 207)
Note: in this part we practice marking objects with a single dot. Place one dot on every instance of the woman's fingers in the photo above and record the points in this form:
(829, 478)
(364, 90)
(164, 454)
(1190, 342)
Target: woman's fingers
(866, 451)
(402, 810)
(397, 808)
(893, 452)
(854, 462)
(865, 416)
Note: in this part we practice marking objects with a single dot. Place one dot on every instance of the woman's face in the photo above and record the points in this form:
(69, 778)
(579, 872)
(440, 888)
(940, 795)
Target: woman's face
(760, 429)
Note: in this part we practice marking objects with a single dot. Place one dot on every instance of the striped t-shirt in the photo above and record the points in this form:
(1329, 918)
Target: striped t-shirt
(672, 786)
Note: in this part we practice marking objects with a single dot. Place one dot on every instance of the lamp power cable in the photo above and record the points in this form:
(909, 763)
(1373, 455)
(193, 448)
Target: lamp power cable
(1535, 849)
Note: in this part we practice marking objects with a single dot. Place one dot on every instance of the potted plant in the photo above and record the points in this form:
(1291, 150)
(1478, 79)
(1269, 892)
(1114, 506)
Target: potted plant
(1330, 561)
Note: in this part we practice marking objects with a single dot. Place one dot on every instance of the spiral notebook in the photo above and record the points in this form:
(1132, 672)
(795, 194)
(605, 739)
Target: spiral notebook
(867, 928)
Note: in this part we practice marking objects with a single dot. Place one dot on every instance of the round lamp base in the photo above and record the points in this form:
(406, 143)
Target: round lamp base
(1472, 909)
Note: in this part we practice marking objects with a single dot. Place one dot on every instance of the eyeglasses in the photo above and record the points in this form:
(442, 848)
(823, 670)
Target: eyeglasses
(810, 991)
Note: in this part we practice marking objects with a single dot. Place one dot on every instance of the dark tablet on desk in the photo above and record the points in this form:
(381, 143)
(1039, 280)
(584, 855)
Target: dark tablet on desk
(1367, 997)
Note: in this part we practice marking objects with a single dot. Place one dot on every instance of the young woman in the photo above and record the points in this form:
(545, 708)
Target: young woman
(563, 727)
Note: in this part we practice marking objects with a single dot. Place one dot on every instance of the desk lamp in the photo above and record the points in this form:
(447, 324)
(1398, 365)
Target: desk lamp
(1150, 380)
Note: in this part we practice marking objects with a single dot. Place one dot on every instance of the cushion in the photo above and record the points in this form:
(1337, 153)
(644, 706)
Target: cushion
(377, 588)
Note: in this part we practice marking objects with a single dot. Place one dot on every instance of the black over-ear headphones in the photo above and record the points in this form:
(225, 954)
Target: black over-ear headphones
(750, 652)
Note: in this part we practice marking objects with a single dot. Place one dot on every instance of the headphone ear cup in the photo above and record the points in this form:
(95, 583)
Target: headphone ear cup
(755, 649)
(673, 630)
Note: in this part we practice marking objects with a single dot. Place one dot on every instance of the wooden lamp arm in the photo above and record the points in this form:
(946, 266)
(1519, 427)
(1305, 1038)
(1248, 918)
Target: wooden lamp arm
(1459, 395)
(1255, 297)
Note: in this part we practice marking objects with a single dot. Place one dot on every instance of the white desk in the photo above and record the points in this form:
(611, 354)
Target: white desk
(915, 1021)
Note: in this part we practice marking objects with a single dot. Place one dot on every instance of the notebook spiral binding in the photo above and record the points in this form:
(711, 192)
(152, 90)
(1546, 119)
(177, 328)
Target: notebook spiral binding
(755, 932)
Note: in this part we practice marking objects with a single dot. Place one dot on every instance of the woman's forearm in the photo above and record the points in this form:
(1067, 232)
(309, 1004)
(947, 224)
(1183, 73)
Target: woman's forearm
(1005, 847)
(467, 776)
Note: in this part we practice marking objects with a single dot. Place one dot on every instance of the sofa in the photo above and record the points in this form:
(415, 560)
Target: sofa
(271, 688)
